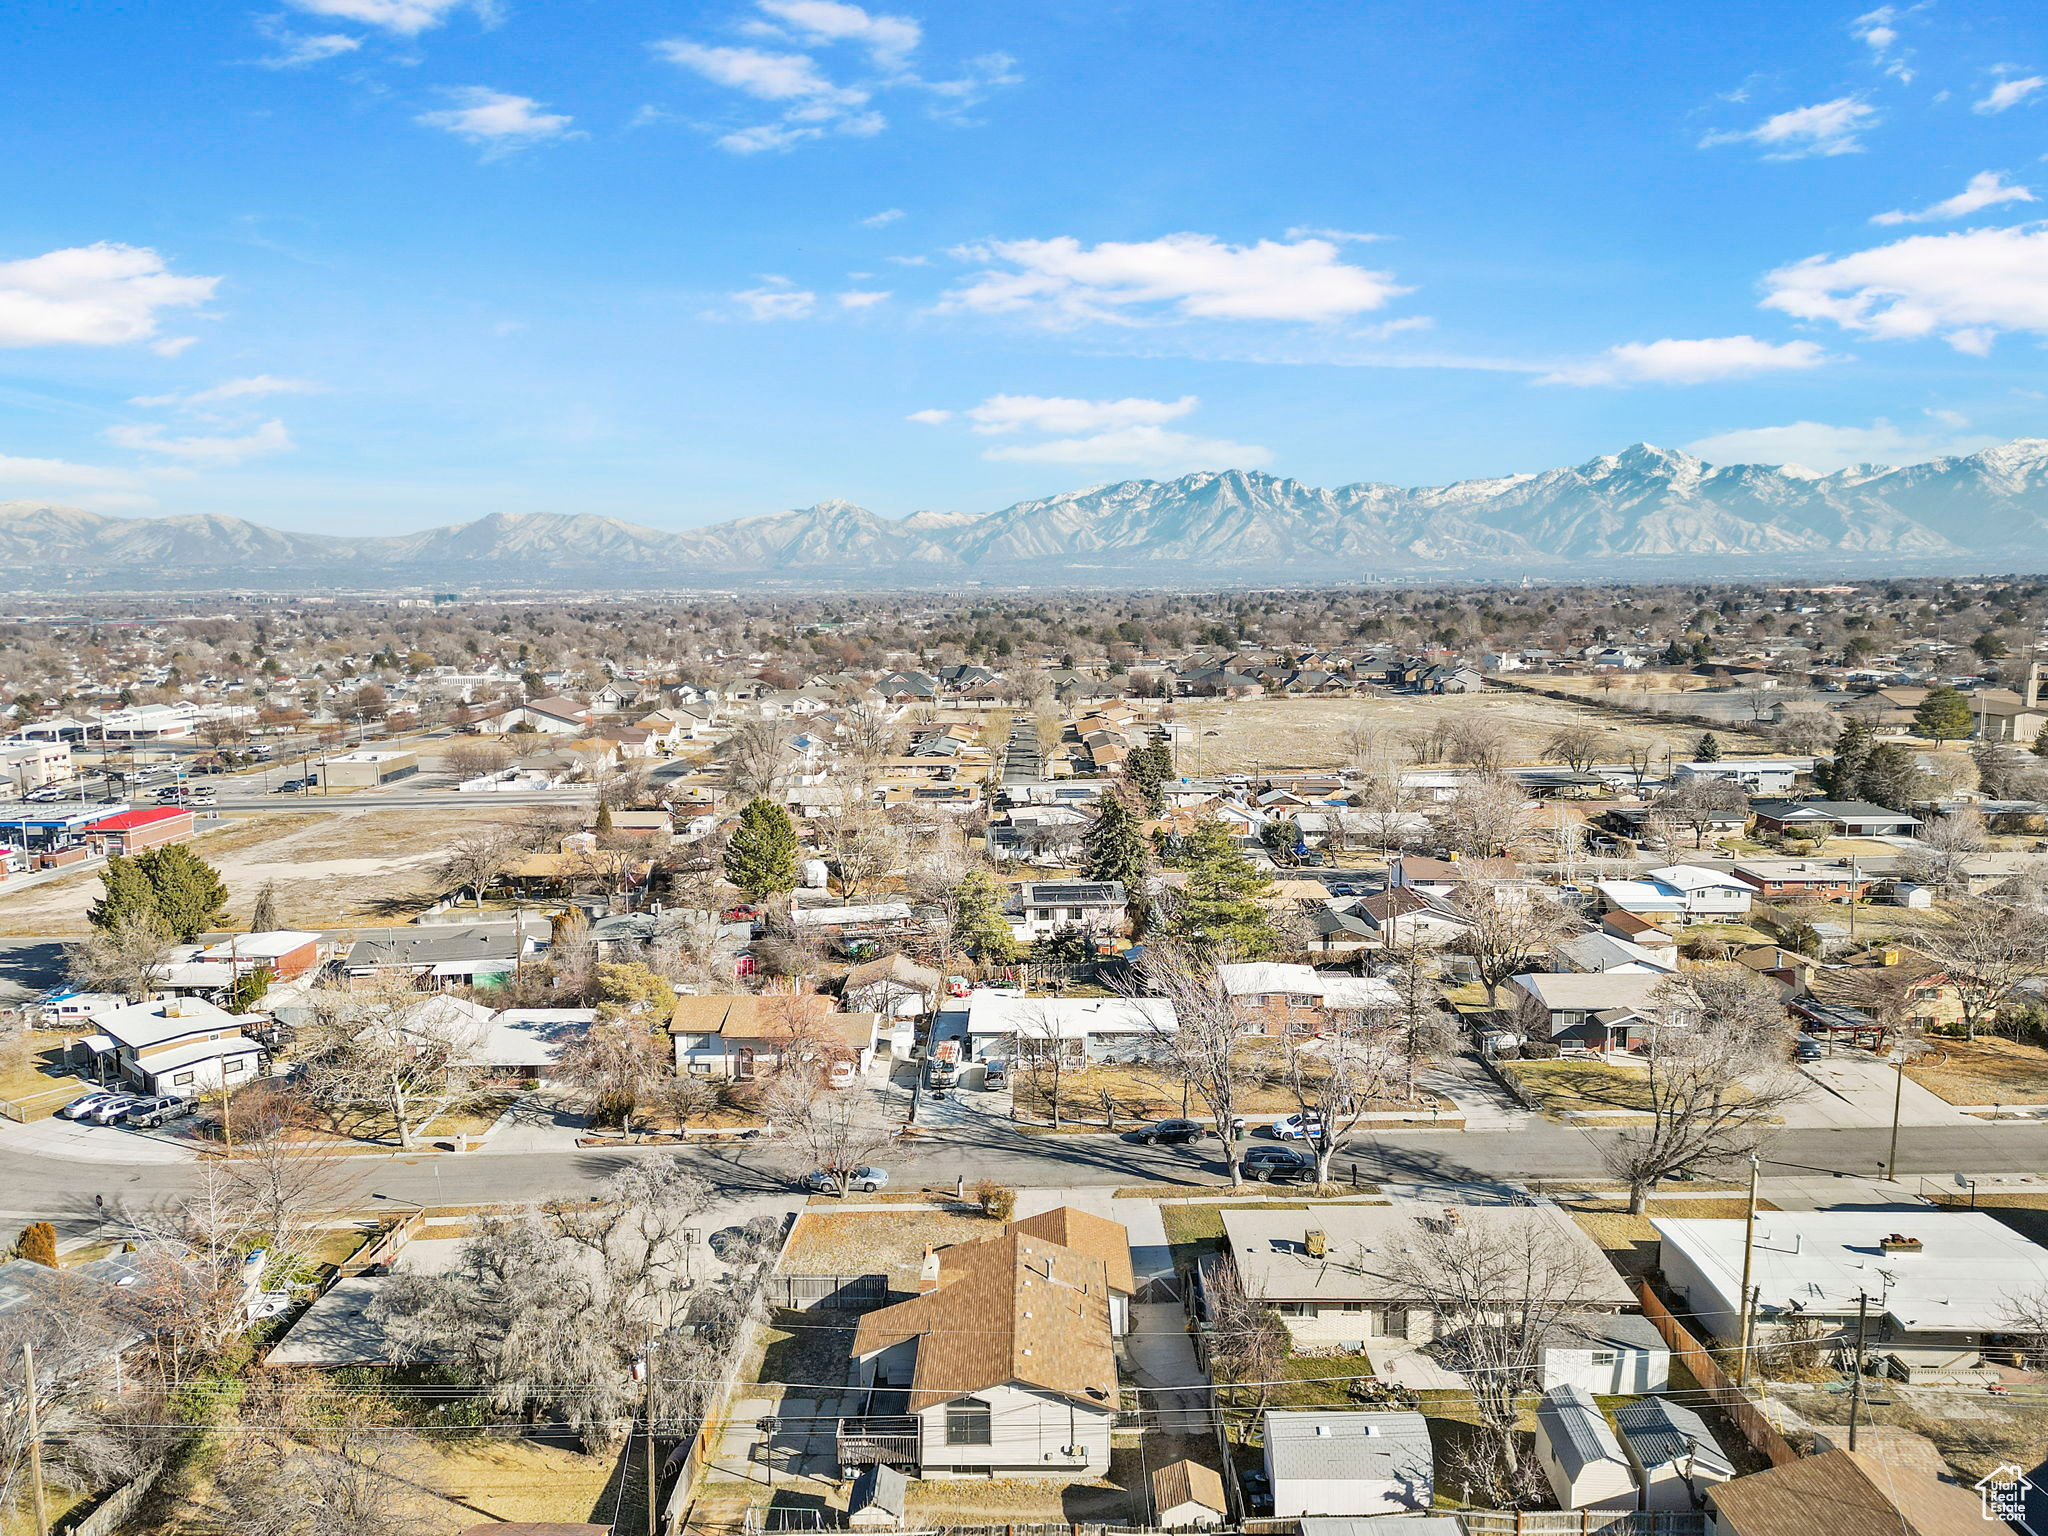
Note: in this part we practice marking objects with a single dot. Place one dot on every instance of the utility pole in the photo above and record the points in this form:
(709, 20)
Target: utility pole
(1891, 1162)
(35, 1437)
(653, 1475)
(1748, 1265)
(1856, 1381)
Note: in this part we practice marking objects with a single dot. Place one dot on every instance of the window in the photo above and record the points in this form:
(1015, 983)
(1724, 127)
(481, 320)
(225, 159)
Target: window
(967, 1423)
(182, 1080)
(1352, 1306)
(239, 1064)
(1295, 1308)
(1605, 1358)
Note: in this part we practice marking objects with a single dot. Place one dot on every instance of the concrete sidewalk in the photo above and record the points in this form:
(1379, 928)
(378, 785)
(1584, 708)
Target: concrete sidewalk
(93, 1143)
(1848, 1092)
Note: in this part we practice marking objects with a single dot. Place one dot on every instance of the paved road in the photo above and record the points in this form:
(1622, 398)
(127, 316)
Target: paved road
(62, 1190)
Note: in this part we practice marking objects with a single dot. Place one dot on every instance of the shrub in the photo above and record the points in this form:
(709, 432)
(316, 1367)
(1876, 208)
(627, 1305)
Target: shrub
(998, 1202)
(1541, 1050)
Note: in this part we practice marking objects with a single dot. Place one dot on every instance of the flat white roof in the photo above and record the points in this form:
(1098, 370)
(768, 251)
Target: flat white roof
(1070, 1018)
(199, 1050)
(1963, 1279)
(832, 917)
(141, 1024)
(274, 945)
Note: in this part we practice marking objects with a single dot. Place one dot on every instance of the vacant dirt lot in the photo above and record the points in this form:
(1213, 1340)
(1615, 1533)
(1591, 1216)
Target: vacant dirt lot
(332, 871)
(1294, 735)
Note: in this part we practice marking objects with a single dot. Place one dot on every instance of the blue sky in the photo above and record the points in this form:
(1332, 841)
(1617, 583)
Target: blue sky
(369, 265)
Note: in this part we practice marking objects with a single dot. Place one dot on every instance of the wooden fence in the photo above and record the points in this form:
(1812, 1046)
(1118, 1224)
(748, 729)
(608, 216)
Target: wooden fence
(832, 1293)
(1582, 1522)
(1731, 1399)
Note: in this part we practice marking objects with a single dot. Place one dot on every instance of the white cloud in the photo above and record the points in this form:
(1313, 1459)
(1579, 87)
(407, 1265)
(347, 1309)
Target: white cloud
(2009, 93)
(1964, 287)
(497, 120)
(1700, 361)
(20, 471)
(208, 452)
(909, 261)
(91, 296)
(260, 385)
(297, 49)
(1184, 276)
(171, 346)
(776, 301)
(1057, 413)
(1818, 446)
(1826, 128)
(861, 298)
(1986, 190)
(819, 102)
(1340, 236)
(1138, 447)
(407, 18)
(890, 40)
(886, 216)
(1878, 31)
(930, 418)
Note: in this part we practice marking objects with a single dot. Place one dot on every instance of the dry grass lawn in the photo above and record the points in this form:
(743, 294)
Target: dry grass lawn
(331, 871)
(1296, 735)
(1630, 1241)
(1984, 1071)
(31, 1074)
(1590, 1087)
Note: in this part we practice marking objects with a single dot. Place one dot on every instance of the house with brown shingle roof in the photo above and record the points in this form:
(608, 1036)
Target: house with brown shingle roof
(1099, 1238)
(1005, 1366)
(739, 1036)
(1844, 1493)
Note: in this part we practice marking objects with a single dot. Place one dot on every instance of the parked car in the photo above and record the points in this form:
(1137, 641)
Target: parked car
(1807, 1048)
(1170, 1133)
(104, 1112)
(1277, 1165)
(864, 1180)
(78, 1107)
(43, 794)
(147, 1114)
(1298, 1127)
(292, 786)
(201, 794)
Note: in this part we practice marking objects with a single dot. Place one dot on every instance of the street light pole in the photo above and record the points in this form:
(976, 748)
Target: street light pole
(1748, 1264)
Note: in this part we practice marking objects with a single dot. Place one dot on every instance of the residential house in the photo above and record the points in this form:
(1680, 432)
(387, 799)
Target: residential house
(284, 954)
(739, 1037)
(526, 1044)
(1804, 879)
(1601, 1011)
(1637, 930)
(1403, 915)
(1757, 775)
(1691, 893)
(1037, 908)
(1099, 1238)
(452, 954)
(1675, 1456)
(1332, 1462)
(1939, 1283)
(180, 1045)
(1580, 1456)
(894, 986)
(1604, 954)
(1831, 818)
(1843, 1493)
(550, 717)
(1446, 879)
(1293, 999)
(1004, 1366)
(878, 920)
(1335, 1276)
(1009, 1026)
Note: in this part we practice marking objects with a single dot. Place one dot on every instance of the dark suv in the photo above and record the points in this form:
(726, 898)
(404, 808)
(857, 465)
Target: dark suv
(1277, 1165)
(1171, 1133)
(150, 1113)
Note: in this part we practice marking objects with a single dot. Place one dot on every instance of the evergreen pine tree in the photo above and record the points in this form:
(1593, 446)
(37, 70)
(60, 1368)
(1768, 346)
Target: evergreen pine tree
(263, 916)
(603, 823)
(1114, 847)
(1709, 749)
(1219, 907)
(1944, 715)
(126, 894)
(760, 857)
(2041, 743)
(1892, 778)
(186, 891)
(979, 926)
(37, 1244)
(1148, 768)
(1841, 777)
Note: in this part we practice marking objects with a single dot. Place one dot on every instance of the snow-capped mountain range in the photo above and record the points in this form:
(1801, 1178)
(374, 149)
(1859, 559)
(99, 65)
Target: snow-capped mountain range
(1640, 510)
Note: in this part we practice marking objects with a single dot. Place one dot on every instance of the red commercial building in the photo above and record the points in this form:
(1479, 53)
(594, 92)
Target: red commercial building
(133, 831)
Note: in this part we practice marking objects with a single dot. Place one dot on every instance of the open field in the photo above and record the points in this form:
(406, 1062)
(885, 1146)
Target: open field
(331, 871)
(1294, 735)
(1984, 1071)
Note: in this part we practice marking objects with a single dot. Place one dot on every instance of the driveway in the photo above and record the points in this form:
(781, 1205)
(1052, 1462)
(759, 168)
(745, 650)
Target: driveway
(1852, 1091)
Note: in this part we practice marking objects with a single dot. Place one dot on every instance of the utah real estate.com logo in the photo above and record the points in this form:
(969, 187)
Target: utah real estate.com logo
(2004, 1491)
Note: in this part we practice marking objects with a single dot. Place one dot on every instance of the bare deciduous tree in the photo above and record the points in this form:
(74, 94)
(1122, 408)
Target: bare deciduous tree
(1985, 949)
(1485, 815)
(756, 757)
(1210, 1025)
(1578, 747)
(474, 757)
(1510, 931)
(127, 958)
(384, 1050)
(1716, 1076)
(1941, 861)
(474, 860)
(1335, 1075)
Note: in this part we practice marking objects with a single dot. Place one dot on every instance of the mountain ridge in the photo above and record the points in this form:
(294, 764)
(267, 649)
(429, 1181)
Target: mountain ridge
(1639, 507)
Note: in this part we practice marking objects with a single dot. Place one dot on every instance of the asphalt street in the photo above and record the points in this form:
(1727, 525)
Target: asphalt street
(62, 1190)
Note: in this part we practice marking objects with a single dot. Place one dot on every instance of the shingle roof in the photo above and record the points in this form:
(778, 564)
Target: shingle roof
(1187, 1482)
(1843, 1493)
(1014, 1308)
(1085, 1232)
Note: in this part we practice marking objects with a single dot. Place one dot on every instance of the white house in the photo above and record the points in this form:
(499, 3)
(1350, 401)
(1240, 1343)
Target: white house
(1605, 954)
(1041, 907)
(1581, 1459)
(180, 1045)
(1758, 775)
(1690, 891)
(1940, 1283)
(1011, 1026)
(1004, 1367)
(1332, 1462)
